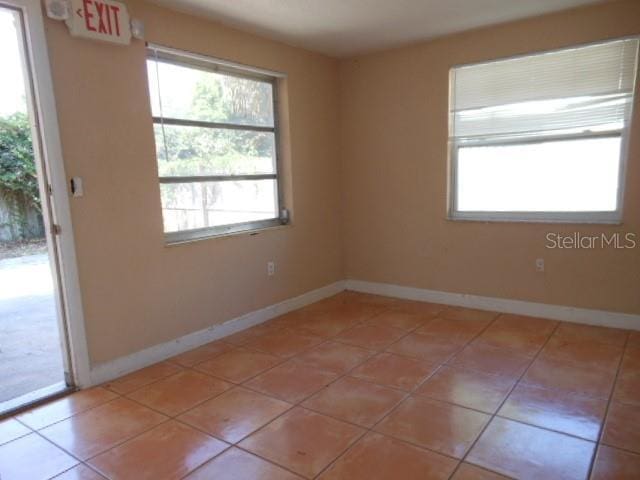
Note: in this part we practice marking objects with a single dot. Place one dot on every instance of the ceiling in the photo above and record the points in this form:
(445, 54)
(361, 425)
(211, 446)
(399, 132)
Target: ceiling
(343, 28)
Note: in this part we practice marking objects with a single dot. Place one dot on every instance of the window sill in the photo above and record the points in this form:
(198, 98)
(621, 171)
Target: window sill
(171, 241)
(595, 219)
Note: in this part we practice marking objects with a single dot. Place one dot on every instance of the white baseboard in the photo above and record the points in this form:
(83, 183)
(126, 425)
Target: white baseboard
(121, 366)
(555, 312)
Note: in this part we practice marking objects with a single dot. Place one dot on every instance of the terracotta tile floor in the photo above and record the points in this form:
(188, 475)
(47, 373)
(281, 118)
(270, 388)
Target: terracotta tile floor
(355, 387)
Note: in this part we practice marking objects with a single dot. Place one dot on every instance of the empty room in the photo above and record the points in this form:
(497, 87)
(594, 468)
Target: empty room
(298, 239)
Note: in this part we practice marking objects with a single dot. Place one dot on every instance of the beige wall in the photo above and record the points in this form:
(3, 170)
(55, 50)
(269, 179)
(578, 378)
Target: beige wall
(394, 150)
(368, 146)
(137, 292)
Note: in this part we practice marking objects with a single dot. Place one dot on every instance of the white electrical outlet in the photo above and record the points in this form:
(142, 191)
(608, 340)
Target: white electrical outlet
(271, 268)
(539, 264)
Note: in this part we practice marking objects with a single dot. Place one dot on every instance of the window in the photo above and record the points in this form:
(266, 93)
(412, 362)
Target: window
(542, 137)
(216, 142)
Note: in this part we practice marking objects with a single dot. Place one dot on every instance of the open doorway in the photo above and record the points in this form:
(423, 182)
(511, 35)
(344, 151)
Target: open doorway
(34, 358)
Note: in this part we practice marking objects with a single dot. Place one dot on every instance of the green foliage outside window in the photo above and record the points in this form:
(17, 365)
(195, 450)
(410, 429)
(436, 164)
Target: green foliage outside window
(198, 151)
(18, 177)
(193, 151)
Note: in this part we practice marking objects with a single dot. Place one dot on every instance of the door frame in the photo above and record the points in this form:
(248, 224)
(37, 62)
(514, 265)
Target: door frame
(54, 192)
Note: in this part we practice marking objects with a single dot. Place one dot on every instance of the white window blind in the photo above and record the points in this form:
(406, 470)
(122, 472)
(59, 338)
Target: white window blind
(542, 137)
(580, 89)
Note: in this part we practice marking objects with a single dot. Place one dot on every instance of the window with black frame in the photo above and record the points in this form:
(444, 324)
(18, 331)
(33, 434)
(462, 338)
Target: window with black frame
(216, 140)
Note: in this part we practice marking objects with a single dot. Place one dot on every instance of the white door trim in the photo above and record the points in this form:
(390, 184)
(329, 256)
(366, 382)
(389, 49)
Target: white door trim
(47, 121)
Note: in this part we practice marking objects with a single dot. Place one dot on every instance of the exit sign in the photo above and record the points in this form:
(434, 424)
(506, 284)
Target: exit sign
(100, 20)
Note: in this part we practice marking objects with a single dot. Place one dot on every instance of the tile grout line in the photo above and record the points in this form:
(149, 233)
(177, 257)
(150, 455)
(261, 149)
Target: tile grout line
(522, 422)
(38, 432)
(345, 374)
(31, 430)
(169, 417)
(634, 453)
(244, 346)
(154, 381)
(462, 347)
(80, 460)
(504, 400)
(245, 451)
(63, 450)
(332, 339)
(338, 377)
(325, 340)
(84, 464)
(443, 364)
(297, 404)
(72, 455)
(412, 391)
(408, 395)
(293, 405)
(234, 385)
(18, 437)
(231, 445)
(167, 420)
(117, 395)
(609, 401)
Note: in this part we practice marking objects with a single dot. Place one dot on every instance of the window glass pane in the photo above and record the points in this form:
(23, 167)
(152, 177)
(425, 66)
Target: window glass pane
(12, 82)
(559, 176)
(192, 94)
(188, 151)
(186, 206)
